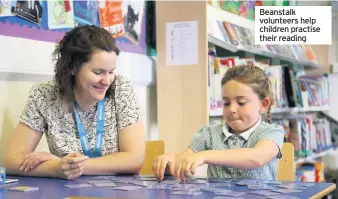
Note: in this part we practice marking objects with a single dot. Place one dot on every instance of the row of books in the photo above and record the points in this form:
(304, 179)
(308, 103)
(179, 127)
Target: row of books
(293, 90)
(313, 172)
(289, 88)
(237, 37)
(308, 134)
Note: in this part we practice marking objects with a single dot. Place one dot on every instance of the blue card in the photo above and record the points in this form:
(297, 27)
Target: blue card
(109, 184)
(265, 193)
(259, 186)
(286, 190)
(73, 186)
(230, 193)
(220, 184)
(2, 176)
(127, 188)
(214, 190)
(283, 197)
(143, 183)
(188, 193)
(227, 197)
(161, 186)
(98, 181)
(219, 180)
(103, 177)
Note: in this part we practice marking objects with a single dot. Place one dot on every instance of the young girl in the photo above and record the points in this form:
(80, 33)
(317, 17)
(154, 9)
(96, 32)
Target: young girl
(243, 147)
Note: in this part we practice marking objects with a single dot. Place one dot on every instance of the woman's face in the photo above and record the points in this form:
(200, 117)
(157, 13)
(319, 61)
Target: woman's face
(96, 75)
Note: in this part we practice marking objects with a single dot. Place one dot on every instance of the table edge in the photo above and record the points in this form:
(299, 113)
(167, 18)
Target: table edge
(324, 192)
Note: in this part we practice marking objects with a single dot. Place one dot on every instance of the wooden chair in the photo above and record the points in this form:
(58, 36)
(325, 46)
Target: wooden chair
(286, 165)
(153, 149)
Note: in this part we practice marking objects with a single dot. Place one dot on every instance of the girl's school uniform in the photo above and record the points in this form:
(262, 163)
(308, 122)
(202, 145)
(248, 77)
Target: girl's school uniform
(218, 137)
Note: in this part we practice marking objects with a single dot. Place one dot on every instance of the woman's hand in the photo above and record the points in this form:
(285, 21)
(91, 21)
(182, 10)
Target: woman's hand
(71, 166)
(160, 164)
(32, 160)
(187, 166)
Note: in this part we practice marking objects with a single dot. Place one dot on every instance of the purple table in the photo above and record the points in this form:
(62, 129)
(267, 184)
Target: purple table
(54, 188)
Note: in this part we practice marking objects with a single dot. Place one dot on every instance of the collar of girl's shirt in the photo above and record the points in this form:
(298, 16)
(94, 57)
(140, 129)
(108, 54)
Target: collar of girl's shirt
(246, 134)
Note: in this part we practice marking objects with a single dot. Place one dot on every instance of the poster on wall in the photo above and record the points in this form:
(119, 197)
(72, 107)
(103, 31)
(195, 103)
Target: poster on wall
(49, 20)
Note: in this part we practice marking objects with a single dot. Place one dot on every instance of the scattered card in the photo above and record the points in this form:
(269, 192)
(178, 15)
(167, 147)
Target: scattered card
(197, 181)
(270, 182)
(23, 188)
(182, 187)
(286, 190)
(98, 181)
(186, 186)
(304, 184)
(283, 197)
(103, 177)
(214, 190)
(244, 180)
(264, 193)
(259, 186)
(127, 188)
(230, 193)
(225, 197)
(122, 178)
(161, 186)
(290, 186)
(173, 182)
(73, 186)
(219, 180)
(246, 183)
(220, 184)
(143, 183)
(109, 184)
(188, 193)
(146, 179)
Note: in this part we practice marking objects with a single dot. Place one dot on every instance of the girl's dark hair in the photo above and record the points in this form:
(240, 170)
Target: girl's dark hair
(76, 48)
(253, 76)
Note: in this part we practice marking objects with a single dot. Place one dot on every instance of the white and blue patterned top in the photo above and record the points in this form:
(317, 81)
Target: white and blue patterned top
(218, 137)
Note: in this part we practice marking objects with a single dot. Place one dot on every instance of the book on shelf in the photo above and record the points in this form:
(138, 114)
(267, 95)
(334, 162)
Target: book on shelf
(290, 89)
(309, 135)
(237, 36)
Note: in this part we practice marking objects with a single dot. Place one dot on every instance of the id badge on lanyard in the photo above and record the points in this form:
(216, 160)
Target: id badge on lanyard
(99, 132)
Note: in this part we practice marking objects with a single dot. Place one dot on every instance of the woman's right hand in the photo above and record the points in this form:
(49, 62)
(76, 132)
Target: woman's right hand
(160, 164)
(71, 166)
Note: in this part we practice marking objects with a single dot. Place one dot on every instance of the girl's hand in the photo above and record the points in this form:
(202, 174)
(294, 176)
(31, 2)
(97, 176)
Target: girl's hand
(160, 164)
(187, 166)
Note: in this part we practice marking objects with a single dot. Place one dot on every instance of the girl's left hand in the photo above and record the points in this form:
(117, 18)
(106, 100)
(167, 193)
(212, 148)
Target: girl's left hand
(187, 166)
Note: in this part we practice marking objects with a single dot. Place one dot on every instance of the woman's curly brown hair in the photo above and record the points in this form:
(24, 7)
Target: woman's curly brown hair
(76, 48)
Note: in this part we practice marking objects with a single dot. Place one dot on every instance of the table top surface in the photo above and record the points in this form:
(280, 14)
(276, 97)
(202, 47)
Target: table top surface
(55, 188)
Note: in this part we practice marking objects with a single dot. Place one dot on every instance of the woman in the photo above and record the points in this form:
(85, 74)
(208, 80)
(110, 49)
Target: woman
(90, 117)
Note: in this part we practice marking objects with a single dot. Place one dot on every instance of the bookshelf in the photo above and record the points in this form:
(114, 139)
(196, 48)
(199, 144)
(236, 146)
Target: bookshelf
(183, 93)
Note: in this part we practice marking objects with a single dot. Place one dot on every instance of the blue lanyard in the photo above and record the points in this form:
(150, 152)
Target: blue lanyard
(99, 132)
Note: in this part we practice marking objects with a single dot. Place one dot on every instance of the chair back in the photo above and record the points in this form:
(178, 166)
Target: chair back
(286, 165)
(153, 149)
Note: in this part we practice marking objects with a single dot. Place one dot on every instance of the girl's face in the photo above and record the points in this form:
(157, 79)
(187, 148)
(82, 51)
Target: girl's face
(241, 106)
(96, 75)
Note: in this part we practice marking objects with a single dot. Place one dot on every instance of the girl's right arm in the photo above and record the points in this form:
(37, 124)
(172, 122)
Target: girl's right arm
(168, 160)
